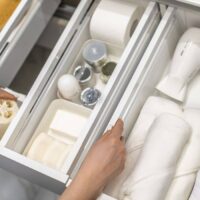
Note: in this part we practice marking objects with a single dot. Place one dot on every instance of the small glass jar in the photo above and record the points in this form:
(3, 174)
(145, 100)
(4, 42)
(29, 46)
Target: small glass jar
(95, 54)
(85, 76)
(90, 96)
(107, 71)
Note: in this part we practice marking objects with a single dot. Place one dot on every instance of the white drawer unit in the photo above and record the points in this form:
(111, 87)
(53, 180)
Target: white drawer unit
(13, 21)
(20, 34)
(63, 60)
(150, 70)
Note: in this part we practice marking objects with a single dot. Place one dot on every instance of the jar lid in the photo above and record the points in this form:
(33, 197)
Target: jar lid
(90, 96)
(83, 73)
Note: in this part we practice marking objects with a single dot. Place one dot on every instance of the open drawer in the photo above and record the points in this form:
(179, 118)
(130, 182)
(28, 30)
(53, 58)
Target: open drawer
(13, 21)
(21, 132)
(150, 70)
(20, 34)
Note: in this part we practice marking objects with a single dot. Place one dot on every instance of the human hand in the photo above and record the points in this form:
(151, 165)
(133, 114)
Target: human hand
(105, 160)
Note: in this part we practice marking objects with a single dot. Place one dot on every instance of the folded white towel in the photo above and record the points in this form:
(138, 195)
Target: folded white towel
(196, 190)
(153, 107)
(189, 163)
(155, 169)
(193, 94)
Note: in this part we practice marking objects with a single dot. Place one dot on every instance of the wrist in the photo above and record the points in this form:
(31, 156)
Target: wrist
(88, 185)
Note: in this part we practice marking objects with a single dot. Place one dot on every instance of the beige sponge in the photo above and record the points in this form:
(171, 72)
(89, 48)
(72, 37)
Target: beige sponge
(8, 110)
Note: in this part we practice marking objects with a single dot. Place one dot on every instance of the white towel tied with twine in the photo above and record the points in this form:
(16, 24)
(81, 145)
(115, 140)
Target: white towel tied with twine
(189, 163)
(153, 107)
(156, 166)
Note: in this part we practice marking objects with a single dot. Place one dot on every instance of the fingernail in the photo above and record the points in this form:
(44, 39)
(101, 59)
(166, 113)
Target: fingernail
(120, 121)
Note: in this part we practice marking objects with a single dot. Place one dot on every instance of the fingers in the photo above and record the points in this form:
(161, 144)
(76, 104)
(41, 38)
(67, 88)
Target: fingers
(117, 130)
(6, 95)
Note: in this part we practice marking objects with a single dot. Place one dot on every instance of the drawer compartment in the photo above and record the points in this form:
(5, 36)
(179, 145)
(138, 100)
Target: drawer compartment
(24, 126)
(47, 69)
(19, 40)
(17, 13)
(150, 71)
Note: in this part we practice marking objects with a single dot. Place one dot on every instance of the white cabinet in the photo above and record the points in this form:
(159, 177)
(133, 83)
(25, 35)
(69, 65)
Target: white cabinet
(20, 34)
(138, 71)
(61, 61)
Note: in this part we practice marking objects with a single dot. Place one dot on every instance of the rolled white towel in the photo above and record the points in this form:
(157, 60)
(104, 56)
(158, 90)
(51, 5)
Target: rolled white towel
(153, 107)
(196, 190)
(155, 169)
(189, 163)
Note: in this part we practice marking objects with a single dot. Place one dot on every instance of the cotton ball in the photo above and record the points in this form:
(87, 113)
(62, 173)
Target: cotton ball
(68, 87)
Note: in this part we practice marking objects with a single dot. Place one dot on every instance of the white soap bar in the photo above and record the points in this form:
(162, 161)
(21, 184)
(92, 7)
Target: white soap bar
(49, 151)
(67, 123)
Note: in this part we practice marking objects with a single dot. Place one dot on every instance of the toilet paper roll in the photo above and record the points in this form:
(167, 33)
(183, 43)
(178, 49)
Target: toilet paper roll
(155, 169)
(153, 107)
(189, 164)
(114, 21)
(49, 151)
(8, 110)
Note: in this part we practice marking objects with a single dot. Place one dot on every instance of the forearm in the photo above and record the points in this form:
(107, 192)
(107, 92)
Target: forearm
(80, 189)
(105, 160)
